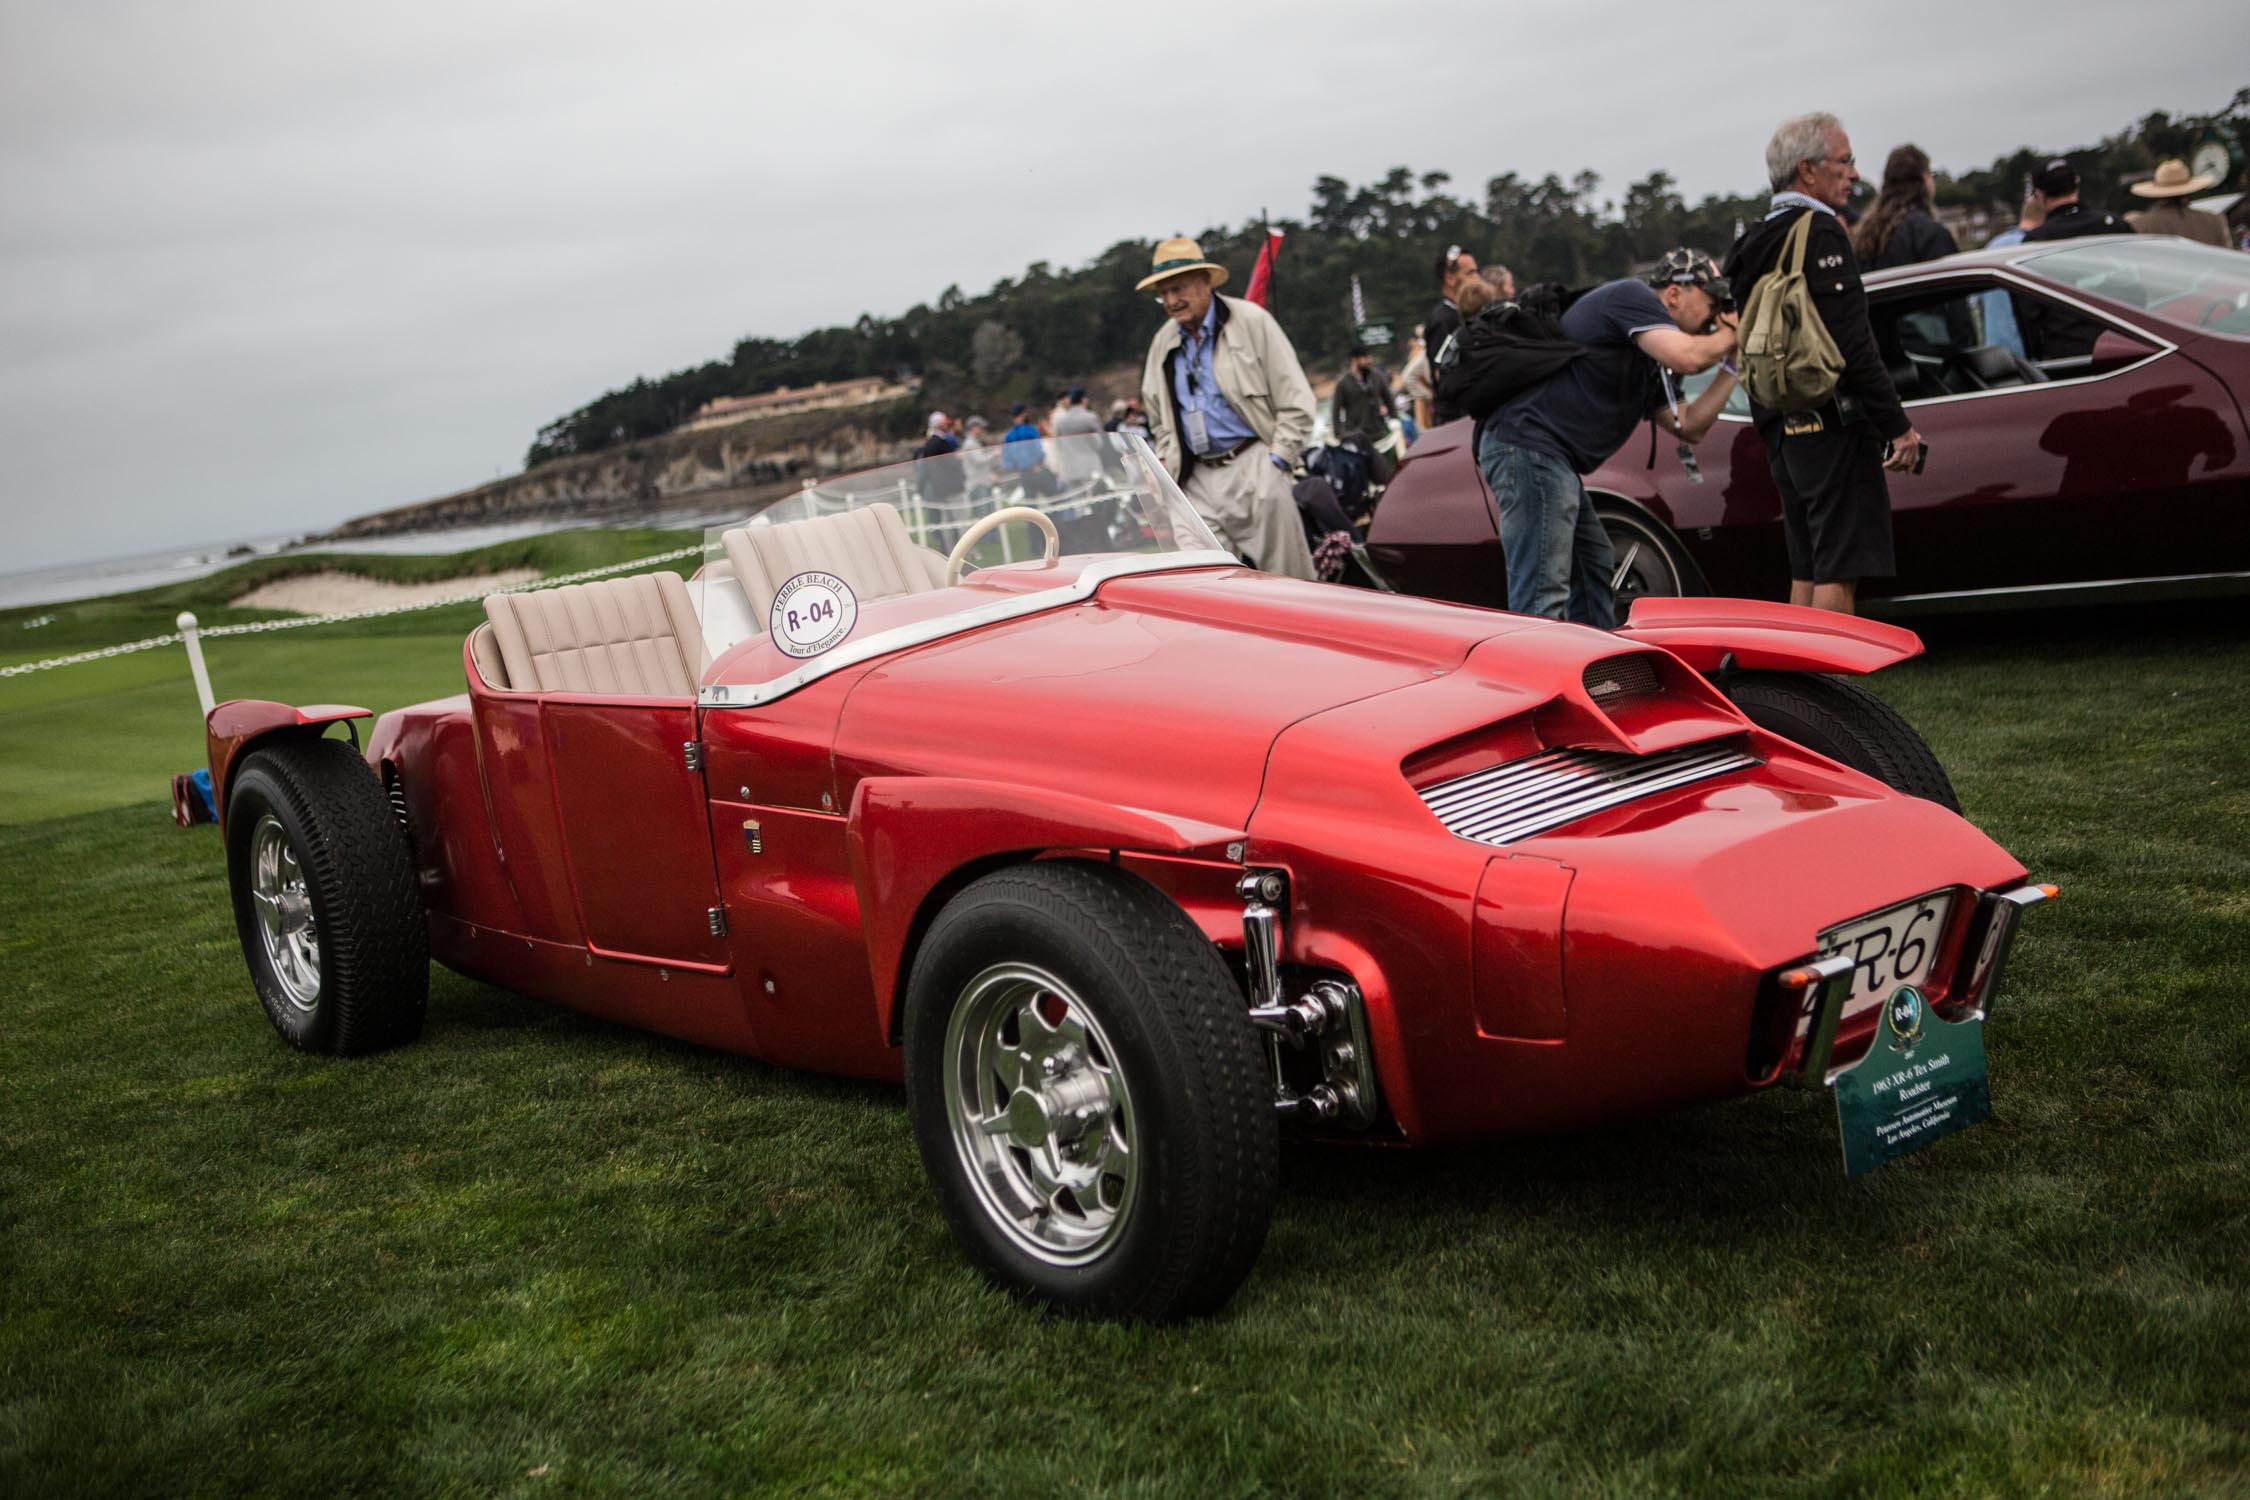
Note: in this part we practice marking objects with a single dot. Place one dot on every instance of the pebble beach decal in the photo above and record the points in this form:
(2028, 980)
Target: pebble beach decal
(812, 613)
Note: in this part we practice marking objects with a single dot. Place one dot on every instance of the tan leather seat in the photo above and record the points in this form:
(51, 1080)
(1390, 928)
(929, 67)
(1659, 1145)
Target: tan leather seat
(869, 548)
(633, 637)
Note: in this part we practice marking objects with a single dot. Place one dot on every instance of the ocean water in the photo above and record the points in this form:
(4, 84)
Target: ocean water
(144, 570)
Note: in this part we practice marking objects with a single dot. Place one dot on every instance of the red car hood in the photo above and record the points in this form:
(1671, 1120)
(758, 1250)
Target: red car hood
(1162, 691)
(1167, 691)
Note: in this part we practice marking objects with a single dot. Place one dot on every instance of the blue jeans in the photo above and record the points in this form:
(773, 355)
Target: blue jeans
(1559, 559)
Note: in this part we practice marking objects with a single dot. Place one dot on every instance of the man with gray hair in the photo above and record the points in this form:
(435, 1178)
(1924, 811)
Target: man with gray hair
(1828, 463)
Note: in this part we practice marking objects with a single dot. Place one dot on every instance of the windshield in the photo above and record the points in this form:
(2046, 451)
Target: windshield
(852, 566)
(2197, 286)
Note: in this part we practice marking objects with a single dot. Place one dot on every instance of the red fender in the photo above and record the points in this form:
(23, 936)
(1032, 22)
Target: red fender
(907, 834)
(1763, 636)
(236, 727)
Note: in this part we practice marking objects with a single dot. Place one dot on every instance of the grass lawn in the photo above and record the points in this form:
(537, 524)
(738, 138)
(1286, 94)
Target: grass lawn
(537, 1252)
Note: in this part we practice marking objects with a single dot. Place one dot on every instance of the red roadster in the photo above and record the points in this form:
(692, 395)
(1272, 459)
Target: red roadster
(1126, 857)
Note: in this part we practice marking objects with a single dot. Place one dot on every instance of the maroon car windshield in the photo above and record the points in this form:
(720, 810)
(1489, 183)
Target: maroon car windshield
(2198, 287)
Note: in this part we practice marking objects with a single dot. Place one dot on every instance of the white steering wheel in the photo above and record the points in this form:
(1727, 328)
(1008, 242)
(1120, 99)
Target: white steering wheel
(986, 525)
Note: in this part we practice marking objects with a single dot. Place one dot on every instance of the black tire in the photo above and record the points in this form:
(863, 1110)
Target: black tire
(1844, 721)
(362, 982)
(1654, 564)
(1158, 1011)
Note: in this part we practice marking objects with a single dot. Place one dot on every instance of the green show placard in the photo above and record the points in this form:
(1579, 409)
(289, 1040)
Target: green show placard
(1923, 1078)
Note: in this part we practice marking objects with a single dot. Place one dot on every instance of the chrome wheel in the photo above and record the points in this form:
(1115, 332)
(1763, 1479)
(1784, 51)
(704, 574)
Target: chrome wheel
(1040, 1114)
(1644, 561)
(285, 914)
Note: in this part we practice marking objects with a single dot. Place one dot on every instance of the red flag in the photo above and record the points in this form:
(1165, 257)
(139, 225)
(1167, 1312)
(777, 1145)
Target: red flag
(1261, 275)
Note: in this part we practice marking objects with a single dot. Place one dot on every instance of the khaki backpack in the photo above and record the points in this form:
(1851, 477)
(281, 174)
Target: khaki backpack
(1789, 363)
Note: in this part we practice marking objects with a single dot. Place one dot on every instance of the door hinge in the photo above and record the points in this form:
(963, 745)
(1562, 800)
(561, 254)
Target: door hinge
(691, 751)
(718, 915)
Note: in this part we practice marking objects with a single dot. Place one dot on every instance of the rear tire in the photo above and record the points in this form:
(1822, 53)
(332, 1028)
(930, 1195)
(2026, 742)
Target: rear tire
(1845, 722)
(1090, 1100)
(325, 899)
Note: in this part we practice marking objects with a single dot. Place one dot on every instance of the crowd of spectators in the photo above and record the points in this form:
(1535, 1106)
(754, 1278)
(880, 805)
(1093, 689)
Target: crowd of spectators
(1226, 405)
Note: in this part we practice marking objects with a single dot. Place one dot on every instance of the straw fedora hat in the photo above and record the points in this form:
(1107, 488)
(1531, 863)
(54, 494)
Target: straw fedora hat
(1177, 258)
(2172, 181)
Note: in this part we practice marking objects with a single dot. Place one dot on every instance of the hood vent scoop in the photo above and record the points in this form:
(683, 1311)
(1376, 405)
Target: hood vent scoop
(1615, 677)
(1505, 803)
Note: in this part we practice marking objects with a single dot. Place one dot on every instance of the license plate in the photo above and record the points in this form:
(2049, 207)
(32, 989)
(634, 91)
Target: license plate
(1895, 946)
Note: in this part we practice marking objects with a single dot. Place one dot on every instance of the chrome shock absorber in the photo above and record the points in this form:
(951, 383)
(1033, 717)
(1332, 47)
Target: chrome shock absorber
(1330, 1015)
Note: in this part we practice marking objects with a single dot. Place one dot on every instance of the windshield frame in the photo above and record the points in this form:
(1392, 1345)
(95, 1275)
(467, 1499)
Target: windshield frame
(1140, 523)
(923, 632)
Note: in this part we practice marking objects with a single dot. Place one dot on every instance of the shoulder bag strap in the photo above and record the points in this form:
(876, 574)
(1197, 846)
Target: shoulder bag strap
(1794, 251)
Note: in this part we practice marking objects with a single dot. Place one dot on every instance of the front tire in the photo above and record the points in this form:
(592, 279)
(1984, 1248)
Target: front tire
(1089, 1097)
(1845, 722)
(325, 899)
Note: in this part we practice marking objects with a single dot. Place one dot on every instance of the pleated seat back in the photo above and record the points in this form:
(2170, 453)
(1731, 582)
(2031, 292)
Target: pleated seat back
(633, 637)
(869, 548)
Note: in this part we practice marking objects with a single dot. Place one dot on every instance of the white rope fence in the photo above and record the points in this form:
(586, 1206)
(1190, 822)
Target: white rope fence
(1077, 497)
(259, 627)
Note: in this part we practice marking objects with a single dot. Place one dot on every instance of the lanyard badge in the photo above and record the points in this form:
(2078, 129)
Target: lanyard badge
(1198, 431)
(1687, 453)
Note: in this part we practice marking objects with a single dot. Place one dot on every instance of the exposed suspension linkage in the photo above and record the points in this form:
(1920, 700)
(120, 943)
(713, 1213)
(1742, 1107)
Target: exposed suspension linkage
(1328, 1020)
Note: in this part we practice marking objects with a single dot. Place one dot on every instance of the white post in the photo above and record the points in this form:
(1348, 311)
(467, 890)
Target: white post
(193, 640)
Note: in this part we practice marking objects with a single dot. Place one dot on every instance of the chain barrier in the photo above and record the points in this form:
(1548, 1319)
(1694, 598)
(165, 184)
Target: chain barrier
(297, 622)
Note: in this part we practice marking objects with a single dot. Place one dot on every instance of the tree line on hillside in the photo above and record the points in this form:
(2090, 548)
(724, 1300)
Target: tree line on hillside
(1027, 336)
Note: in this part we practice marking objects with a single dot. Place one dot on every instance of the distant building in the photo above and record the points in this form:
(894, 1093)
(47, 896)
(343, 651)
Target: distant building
(819, 396)
(1972, 225)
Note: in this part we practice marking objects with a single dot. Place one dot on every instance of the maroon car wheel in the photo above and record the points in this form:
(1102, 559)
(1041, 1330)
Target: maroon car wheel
(1089, 1097)
(325, 899)
(1647, 562)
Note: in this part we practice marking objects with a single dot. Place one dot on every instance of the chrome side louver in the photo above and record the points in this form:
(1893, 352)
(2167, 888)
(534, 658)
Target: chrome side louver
(1554, 787)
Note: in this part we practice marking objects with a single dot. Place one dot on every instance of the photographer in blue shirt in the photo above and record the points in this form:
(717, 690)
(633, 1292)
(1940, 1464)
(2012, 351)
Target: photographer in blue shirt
(1533, 448)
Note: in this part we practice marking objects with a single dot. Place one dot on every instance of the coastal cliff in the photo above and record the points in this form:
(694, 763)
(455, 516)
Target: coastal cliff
(744, 463)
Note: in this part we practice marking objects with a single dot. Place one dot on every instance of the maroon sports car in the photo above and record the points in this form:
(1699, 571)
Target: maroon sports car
(2083, 404)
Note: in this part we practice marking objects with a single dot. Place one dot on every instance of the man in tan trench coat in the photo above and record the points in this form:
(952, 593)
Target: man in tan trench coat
(1229, 409)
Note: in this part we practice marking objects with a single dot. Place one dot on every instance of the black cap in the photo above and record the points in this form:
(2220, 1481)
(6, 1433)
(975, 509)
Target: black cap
(1016, 410)
(2056, 178)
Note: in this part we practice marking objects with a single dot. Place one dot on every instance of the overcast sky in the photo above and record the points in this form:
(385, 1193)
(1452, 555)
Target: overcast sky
(267, 265)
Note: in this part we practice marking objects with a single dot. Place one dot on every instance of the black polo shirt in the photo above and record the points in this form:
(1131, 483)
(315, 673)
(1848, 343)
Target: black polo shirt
(2074, 219)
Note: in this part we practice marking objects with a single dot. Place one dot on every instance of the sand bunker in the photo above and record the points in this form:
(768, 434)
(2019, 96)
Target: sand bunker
(333, 593)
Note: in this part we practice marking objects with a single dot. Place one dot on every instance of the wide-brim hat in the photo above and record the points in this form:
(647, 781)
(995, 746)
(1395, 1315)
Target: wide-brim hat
(1177, 258)
(2172, 181)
